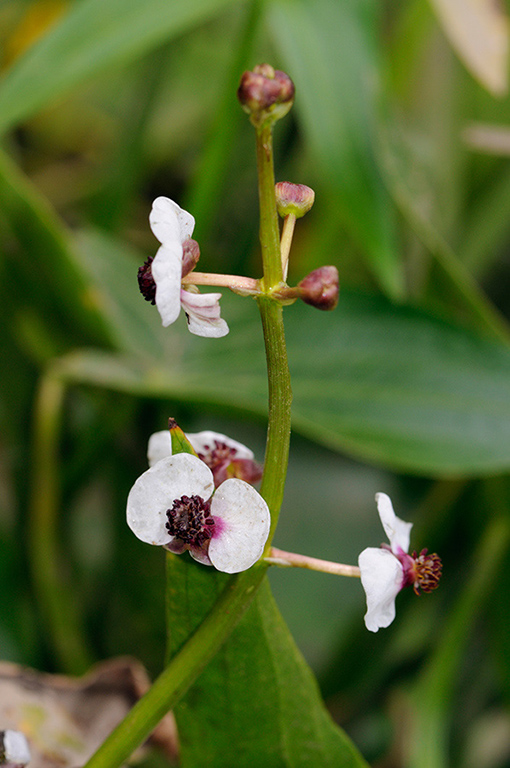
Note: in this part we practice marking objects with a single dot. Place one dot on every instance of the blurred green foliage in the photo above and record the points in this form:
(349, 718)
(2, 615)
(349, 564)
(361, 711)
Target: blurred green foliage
(405, 388)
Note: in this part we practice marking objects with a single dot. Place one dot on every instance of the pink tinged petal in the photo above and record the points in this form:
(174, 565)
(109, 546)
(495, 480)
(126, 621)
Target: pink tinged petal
(156, 490)
(169, 222)
(166, 271)
(382, 579)
(203, 312)
(159, 447)
(204, 441)
(200, 556)
(397, 531)
(243, 521)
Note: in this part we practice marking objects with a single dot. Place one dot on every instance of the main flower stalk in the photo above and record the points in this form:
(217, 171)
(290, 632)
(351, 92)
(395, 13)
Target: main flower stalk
(200, 648)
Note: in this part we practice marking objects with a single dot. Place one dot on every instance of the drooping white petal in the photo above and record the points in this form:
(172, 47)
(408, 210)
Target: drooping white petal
(204, 441)
(156, 490)
(15, 748)
(159, 447)
(397, 531)
(382, 578)
(203, 313)
(243, 522)
(169, 221)
(166, 271)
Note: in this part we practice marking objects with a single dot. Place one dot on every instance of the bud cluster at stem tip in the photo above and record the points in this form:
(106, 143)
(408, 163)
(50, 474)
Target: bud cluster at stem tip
(266, 94)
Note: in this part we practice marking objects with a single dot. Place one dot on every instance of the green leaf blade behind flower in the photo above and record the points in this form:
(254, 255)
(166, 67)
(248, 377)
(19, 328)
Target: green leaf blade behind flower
(382, 382)
(257, 702)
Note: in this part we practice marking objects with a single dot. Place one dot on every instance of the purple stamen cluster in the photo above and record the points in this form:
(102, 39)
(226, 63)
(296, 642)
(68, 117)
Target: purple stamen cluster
(146, 281)
(427, 571)
(190, 521)
(219, 455)
(422, 571)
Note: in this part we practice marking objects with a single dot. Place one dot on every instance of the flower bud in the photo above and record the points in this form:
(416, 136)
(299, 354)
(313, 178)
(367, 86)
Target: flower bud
(180, 443)
(320, 288)
(293, 198)
(265, 94)
(190, 255)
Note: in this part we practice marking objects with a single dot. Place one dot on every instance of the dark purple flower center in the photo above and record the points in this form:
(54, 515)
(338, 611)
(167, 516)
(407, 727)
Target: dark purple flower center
(422, 571)
(223, 462)
(218, 455)
(146, 281)
(190, 521)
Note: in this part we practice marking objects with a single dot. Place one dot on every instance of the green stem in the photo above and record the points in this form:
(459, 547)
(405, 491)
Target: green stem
(269, 232)
(54, 598)
(280, 398)
(238, 593)
(181, 672)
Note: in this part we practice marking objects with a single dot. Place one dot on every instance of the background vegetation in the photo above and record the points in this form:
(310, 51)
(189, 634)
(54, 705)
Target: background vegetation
(400, 126)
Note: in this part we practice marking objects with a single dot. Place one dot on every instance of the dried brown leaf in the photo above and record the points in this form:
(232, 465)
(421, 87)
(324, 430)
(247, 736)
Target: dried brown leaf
(66, 719)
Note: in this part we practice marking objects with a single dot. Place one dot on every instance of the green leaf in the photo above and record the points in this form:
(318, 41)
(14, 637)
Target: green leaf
(435, 687)
(390, 384)
(406, 178)
(331, 53)
(48, 260)
(257, 703)
(94, 36)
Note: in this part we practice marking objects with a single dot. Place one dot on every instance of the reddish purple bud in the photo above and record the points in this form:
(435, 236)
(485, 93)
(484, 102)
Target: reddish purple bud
(190, 255)
(265, 93)
(293, 198)
(320, 288)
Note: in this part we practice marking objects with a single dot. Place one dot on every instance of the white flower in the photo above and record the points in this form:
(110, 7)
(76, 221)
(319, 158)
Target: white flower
(385, 571)
(173, 504)
(14, 749)
(223, 455)
(173, 226)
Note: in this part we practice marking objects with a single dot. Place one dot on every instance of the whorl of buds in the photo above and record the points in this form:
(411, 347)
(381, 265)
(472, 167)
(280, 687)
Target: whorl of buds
(296, 199)
(320, 288)
(266, 94)
(190, 255)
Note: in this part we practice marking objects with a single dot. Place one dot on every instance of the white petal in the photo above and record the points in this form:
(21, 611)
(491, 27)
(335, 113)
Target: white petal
(243, 524)
(200, 556)
(156, 490)
(166, 271)
(169, 221)
(159, 447)
(397, 531)
(382, 578)
(203, 312)
(204, 441)
(15, 748)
